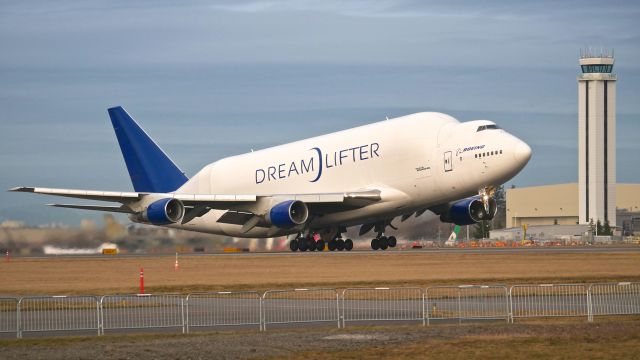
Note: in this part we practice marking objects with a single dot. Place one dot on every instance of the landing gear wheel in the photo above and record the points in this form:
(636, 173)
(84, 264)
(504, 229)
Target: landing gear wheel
(340, 244)
(293, 245)
(391, 241)
(311, 244)
(320, 245)
(302, 244)
(383, 243)
(375, 245)
(333, 245)
(348, 244)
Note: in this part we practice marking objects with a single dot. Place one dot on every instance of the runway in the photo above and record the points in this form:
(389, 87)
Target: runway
(518, 250)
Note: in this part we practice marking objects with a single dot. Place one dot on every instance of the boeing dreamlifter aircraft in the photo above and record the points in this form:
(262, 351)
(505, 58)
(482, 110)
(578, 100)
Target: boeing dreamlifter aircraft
(364, 176)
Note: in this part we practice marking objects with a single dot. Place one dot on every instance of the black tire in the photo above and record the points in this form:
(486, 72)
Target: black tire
(302, 244)
(340, 244)
(348, 244)
(383, 243)
(333, 245)
(311, 244)
(391, 241)
(320, 245)
(293, 245)
(375, 245)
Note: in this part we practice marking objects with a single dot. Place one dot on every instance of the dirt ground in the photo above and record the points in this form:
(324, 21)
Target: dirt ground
(557, 339)
(117, 274)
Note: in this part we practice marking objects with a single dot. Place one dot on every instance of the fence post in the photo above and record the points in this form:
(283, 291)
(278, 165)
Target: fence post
(589, 305)
(459, 308)
(510, 304)
(18, 323)
(182, 312)
(343, 307)
(423, 307)
(19, 320)
(187, 314)
(262, 316)
(338, 308)
(98, 315)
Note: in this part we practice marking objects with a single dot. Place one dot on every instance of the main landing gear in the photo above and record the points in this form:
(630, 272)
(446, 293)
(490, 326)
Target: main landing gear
(382, 242)
(340, 244)
(308, 243)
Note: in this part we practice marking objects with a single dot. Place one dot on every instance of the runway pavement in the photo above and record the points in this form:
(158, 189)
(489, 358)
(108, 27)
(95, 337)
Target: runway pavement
(510, 250)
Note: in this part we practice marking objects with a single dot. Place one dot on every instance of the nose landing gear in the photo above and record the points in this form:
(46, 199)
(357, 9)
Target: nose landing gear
(486, 194)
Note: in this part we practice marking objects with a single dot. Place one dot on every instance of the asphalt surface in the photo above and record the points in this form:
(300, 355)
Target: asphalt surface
(506, 250)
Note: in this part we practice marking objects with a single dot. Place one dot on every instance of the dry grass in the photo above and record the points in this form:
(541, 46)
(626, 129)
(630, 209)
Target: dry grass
(613, 338)
(108, 275)
(576, 346)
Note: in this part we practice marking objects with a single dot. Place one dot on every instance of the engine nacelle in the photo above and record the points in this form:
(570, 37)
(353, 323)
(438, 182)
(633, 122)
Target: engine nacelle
(164, 211)
(469, 211)
(288, 213)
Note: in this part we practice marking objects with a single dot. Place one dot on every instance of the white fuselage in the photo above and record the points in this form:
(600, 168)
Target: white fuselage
(416, 161)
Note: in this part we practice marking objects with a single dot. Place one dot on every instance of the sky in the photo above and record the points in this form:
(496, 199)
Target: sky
(209, 79)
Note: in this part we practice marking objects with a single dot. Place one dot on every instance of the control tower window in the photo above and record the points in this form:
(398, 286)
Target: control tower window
(597, 68)
(487, 127)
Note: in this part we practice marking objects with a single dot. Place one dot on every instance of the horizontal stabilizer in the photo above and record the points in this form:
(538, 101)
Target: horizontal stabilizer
(115, 196)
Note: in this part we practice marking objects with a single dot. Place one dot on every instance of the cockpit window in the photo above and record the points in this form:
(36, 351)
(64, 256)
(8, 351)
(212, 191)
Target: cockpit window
(487, 127)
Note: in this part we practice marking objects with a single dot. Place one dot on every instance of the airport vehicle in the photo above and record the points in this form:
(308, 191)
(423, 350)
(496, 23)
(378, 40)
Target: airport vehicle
(314, 189)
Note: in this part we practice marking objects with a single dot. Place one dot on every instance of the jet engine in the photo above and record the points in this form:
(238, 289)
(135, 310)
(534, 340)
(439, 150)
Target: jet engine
(163, 212)
(469, 211)
(288, 214)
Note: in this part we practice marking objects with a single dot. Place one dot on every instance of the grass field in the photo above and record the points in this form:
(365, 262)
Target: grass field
(551, 339)
(108, 275)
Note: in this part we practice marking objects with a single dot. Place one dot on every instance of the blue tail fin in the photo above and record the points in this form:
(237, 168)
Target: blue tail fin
(149, 167)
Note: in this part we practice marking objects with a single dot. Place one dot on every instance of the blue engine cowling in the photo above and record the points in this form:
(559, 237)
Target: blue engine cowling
(469, 211)
(164, 211)
(288, 213)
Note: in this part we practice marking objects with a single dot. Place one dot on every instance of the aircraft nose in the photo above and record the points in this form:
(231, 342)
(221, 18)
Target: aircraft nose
(522, 152)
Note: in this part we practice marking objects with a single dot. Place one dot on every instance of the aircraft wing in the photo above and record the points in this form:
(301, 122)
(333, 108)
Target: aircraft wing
(320, 202)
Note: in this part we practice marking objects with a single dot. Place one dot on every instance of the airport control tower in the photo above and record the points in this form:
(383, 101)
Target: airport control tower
(597, 137)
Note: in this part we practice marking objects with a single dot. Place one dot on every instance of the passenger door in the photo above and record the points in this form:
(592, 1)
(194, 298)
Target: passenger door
(448, 161)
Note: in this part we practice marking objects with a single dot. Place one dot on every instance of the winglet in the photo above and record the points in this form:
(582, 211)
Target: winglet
(149, 167)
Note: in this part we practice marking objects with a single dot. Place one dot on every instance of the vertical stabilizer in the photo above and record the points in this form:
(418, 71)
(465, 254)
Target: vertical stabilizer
(149, 167)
